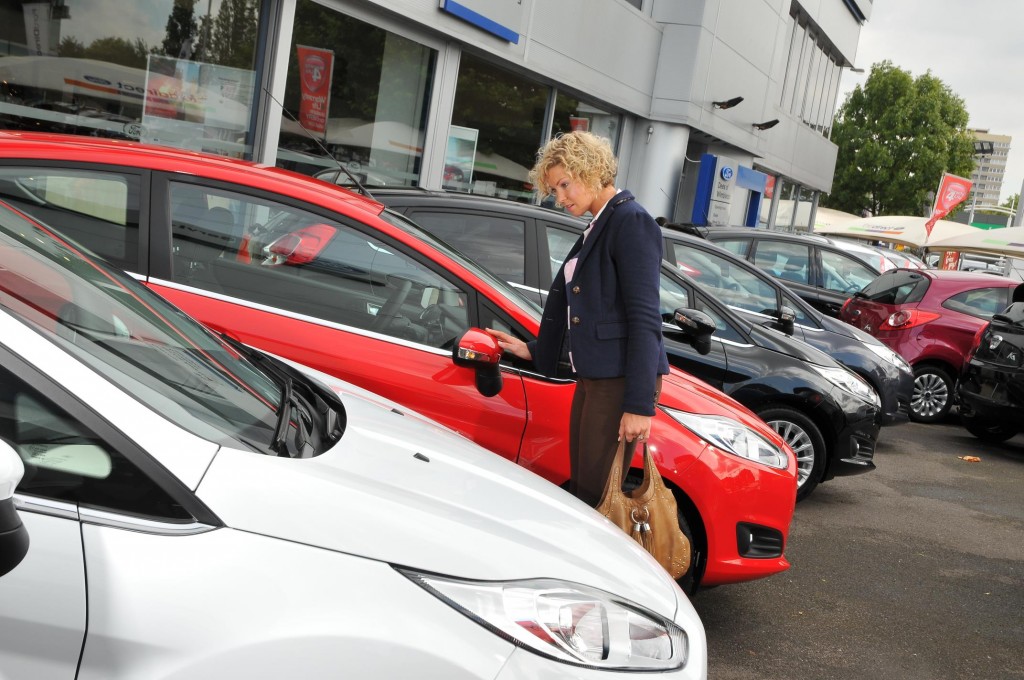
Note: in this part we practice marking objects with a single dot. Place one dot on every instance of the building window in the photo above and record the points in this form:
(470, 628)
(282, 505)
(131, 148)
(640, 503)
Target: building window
(497, 127)
(356, 95)
(572, 113)
(160, 71)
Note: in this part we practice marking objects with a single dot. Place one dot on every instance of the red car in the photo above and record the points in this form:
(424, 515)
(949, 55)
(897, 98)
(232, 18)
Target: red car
(930, 317)
(322, 276)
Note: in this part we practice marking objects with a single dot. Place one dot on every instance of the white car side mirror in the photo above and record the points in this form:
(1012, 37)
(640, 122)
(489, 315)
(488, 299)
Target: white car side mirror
(13, 535)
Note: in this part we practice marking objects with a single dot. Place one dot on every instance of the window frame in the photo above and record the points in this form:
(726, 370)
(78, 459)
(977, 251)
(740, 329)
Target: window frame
(114, 439)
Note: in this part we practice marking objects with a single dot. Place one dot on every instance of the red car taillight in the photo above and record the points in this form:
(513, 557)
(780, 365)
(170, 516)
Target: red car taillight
(907, 318)
(975, 343)
(302, 246)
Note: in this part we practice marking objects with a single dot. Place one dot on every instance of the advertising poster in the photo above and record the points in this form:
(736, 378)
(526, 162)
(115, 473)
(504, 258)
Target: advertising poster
(579, 124)
(459, 157)
(193, 105)
(952, 191)
(950, 260)
(316, 67)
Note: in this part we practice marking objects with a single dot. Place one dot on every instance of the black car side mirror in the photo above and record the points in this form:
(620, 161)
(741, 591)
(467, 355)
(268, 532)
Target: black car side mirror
(697, 328)
(786, 320)
(13, 534)
(479, 350)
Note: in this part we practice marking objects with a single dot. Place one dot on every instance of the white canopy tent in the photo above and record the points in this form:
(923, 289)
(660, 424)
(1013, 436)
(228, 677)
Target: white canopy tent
(908, 230)
(1008, 241)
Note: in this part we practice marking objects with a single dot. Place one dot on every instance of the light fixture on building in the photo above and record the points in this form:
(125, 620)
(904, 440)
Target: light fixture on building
(728, 103)
(768, 124)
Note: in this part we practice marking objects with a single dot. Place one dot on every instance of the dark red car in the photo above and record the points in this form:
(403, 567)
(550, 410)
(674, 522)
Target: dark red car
(314, 273)
(930, 317)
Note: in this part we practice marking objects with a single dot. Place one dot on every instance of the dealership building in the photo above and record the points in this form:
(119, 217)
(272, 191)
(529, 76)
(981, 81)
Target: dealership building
(720, 110)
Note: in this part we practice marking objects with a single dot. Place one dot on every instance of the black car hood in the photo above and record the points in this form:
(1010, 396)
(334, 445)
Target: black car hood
(843, 328)
(777, 341)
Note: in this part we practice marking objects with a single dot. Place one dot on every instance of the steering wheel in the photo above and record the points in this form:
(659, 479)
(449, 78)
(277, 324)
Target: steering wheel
(433, 318)
(389, 310)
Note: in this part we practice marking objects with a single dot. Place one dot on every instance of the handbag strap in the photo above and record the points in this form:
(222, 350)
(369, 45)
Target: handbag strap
(615, 475)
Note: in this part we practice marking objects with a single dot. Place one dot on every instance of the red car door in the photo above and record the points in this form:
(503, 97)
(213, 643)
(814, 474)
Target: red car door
(338, 298)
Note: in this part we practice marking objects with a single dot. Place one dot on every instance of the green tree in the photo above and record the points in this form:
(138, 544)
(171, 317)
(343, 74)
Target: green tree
(181, 29)
(233, 39)
(118, 51)
(896, 136)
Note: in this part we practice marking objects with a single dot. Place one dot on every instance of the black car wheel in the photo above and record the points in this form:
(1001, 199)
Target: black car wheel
(933, 394)
(986, 430)
(804, 437)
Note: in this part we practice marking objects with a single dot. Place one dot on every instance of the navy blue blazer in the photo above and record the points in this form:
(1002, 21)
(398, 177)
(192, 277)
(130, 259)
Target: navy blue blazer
(615, 324)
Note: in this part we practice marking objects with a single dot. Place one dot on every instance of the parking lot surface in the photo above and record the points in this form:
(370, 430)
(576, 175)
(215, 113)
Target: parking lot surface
(914, 571)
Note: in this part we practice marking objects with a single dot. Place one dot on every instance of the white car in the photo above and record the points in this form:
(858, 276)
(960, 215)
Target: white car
(197, 509)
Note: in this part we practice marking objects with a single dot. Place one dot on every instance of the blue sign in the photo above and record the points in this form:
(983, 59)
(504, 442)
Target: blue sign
(498, 17)
(727, 173)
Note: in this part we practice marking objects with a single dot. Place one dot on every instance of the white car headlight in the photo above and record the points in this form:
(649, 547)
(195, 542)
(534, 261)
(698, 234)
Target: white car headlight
(565, 621)
(885, 353)
(849, 381)
(731, 436)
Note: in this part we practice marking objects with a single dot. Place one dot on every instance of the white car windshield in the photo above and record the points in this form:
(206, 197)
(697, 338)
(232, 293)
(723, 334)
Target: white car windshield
(219, 391)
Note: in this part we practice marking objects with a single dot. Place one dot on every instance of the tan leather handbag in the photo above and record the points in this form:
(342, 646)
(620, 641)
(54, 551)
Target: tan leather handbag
(648, 513)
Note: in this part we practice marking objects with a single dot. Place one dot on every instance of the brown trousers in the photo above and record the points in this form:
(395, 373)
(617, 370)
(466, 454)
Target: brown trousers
(594, 436)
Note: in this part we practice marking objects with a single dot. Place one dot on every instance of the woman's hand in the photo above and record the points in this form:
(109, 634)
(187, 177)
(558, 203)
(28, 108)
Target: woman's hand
(633, 426)
(511, 344)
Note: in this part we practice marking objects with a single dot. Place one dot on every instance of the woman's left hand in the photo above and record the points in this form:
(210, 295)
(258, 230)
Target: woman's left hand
(633, 426)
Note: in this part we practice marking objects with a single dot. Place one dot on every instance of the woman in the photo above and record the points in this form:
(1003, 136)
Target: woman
(602, 310)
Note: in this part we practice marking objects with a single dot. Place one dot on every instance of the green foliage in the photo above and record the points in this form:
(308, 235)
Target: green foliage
(181, 27)
(896, 136)
(114, 50)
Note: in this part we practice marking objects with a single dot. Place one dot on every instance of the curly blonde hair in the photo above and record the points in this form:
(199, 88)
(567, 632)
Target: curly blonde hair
(585, 156)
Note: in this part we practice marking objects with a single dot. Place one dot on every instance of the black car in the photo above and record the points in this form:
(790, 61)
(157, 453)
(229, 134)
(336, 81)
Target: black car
(826, 414)
(760, 297)
(822, 271)
(991, 386)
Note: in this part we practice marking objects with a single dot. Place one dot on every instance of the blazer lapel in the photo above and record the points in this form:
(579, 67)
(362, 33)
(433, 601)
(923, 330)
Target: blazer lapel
(599, 226)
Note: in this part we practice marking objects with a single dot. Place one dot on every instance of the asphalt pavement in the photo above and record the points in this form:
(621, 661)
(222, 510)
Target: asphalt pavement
(914, 571)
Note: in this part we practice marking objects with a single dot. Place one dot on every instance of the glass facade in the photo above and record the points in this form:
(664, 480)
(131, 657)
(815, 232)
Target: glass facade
(174, 72)
(812, 76)
(497, 127)
(356, 95)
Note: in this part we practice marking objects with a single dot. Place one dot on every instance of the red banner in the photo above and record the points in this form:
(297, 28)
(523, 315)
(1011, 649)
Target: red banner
(315, 68)
(952, 191)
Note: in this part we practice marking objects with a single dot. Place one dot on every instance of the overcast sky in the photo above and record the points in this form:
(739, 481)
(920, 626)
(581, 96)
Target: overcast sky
(975, 47)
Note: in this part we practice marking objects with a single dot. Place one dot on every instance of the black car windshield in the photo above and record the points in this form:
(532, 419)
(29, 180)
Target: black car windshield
(145, 346)
(411, 228)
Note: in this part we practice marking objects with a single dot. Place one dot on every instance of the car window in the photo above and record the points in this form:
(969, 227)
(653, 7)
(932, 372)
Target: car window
(734, 285)
(798, 310)
(896, 287)
(980, 302)
(496, 242)
(297, 261)
(724, 330)
(844, 274)
(65, 461)
(740, 246)
(785, 260)
(97, 210)
(673, 296)
(559, 243)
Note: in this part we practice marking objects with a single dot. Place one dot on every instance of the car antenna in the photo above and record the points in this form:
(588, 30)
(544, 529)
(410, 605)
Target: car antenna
(323, 148)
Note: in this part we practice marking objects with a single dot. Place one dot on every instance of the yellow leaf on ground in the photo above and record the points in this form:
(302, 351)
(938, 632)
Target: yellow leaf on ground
(970, 459)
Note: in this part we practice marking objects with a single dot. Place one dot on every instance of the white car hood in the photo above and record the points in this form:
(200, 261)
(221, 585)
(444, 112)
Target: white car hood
(404, 490)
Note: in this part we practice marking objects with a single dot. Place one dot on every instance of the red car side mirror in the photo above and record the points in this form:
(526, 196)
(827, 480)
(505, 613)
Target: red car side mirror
(479, 350)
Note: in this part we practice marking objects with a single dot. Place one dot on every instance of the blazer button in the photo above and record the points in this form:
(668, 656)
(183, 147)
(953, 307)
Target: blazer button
(576, 289)
(575, 321)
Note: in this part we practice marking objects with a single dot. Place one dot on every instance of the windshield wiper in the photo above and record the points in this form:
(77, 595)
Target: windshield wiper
(284, 411)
